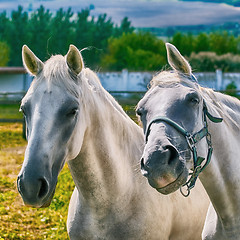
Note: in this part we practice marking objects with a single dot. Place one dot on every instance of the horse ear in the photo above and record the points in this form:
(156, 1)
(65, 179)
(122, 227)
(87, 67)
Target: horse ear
(74, 60)
(31, 63)
(177, 61)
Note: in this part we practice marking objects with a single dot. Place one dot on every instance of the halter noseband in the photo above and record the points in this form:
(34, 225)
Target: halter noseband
(191, 139)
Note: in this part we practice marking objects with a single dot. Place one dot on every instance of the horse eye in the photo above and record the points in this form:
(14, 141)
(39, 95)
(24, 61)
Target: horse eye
(72, 112)
(139, 112)
(193, 98)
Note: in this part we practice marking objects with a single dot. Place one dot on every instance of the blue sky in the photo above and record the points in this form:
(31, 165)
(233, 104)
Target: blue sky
(143, 13)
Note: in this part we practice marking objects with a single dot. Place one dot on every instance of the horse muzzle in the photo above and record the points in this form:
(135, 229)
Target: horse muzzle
(164, 169)
(35, 191)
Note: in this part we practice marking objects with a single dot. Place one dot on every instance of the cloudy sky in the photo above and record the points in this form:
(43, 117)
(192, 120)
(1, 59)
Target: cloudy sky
(143, 13)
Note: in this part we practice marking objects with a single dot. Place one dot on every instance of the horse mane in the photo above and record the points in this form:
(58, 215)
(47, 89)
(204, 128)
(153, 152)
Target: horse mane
(226, 106)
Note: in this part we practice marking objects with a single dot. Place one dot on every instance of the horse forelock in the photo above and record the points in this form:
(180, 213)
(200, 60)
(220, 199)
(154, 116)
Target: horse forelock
(56, 72)
(227, 107)
(172, 78)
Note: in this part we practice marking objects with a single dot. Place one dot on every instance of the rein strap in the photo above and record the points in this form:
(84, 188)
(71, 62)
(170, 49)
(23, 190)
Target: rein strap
(192, 139)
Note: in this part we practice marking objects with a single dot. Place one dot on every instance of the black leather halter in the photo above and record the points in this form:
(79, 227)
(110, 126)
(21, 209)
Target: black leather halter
(191, 139)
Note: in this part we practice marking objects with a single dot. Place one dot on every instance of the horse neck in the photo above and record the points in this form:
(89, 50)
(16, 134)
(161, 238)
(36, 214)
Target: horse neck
(221, 177)
(106, 166)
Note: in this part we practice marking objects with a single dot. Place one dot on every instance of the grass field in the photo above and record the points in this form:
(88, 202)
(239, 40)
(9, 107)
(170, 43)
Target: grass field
(10, 111)
(16, 220)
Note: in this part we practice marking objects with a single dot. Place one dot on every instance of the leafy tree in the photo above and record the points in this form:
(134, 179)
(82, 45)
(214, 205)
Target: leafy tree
(93, 34)
(48, 33)
(135, 51)
(40, 29)
(184, 43)
(125, 27)
(61, 32)
(222, 43)
(210, 61)
(202, 43)
(84, 29)
(4, 54)
(18, 34)
(4, 26)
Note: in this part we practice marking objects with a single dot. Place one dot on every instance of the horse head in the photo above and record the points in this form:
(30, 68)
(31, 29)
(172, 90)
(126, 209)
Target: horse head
(52, 112)
(173, 114)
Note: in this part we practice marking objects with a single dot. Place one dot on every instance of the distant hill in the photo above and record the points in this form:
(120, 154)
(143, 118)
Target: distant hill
(235, 3)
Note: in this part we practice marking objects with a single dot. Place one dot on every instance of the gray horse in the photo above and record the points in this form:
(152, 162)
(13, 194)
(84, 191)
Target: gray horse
(193, 129)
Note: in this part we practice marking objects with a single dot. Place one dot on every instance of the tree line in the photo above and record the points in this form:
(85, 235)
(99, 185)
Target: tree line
(47, 33)
(109, 46)
(144, 51)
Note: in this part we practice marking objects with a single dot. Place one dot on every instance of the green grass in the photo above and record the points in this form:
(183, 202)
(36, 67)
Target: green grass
(16, 220)
(10, 111)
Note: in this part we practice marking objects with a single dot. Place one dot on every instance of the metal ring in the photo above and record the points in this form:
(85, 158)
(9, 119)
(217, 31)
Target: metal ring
(188, 191)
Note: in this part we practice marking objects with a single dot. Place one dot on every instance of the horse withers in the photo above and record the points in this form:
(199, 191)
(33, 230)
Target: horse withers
(71, 118)
(192, 132)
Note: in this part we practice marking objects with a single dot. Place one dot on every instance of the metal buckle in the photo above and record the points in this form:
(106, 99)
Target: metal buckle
(191, 141)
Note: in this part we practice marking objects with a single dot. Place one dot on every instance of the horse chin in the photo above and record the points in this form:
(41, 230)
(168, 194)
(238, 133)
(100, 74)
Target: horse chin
(175, 185)
(45, 203)
(48, 200)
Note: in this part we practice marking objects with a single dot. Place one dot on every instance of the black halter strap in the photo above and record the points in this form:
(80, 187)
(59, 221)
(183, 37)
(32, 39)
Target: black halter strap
(191, 139)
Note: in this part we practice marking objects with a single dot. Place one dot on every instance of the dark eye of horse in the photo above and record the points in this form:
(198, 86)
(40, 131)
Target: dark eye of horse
(193, 98)
(139, 112)
(72, 112)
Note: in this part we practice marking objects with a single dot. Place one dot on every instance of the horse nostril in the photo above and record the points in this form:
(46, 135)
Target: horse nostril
(173, 154)
(19, 185)
(43, 190)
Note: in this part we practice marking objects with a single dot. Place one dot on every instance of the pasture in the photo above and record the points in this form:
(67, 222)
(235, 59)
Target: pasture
(16, 220)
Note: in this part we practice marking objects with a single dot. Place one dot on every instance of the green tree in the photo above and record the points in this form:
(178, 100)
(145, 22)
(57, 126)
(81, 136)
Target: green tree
(48, 33)
(84, 29)
(61, 32)
(201, 43)
(135, 51)
(4, 26)
(184, 43)
(40, 29)
(4, 54)
(18, 34)
(125, 27)
(222, 43)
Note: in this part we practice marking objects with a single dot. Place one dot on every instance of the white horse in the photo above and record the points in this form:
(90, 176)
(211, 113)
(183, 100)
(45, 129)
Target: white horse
(185, 123)
(71, 118)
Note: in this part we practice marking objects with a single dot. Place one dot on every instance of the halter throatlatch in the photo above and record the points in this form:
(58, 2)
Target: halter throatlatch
(192, 139)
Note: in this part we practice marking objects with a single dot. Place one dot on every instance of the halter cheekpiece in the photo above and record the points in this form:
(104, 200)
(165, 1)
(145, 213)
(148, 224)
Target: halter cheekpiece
(192, 139)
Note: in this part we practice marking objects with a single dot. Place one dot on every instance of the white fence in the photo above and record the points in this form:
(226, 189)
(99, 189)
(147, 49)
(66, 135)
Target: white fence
(117, 81)
(138, 81)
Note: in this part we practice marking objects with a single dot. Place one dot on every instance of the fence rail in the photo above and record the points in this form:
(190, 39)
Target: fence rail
(11, 97)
